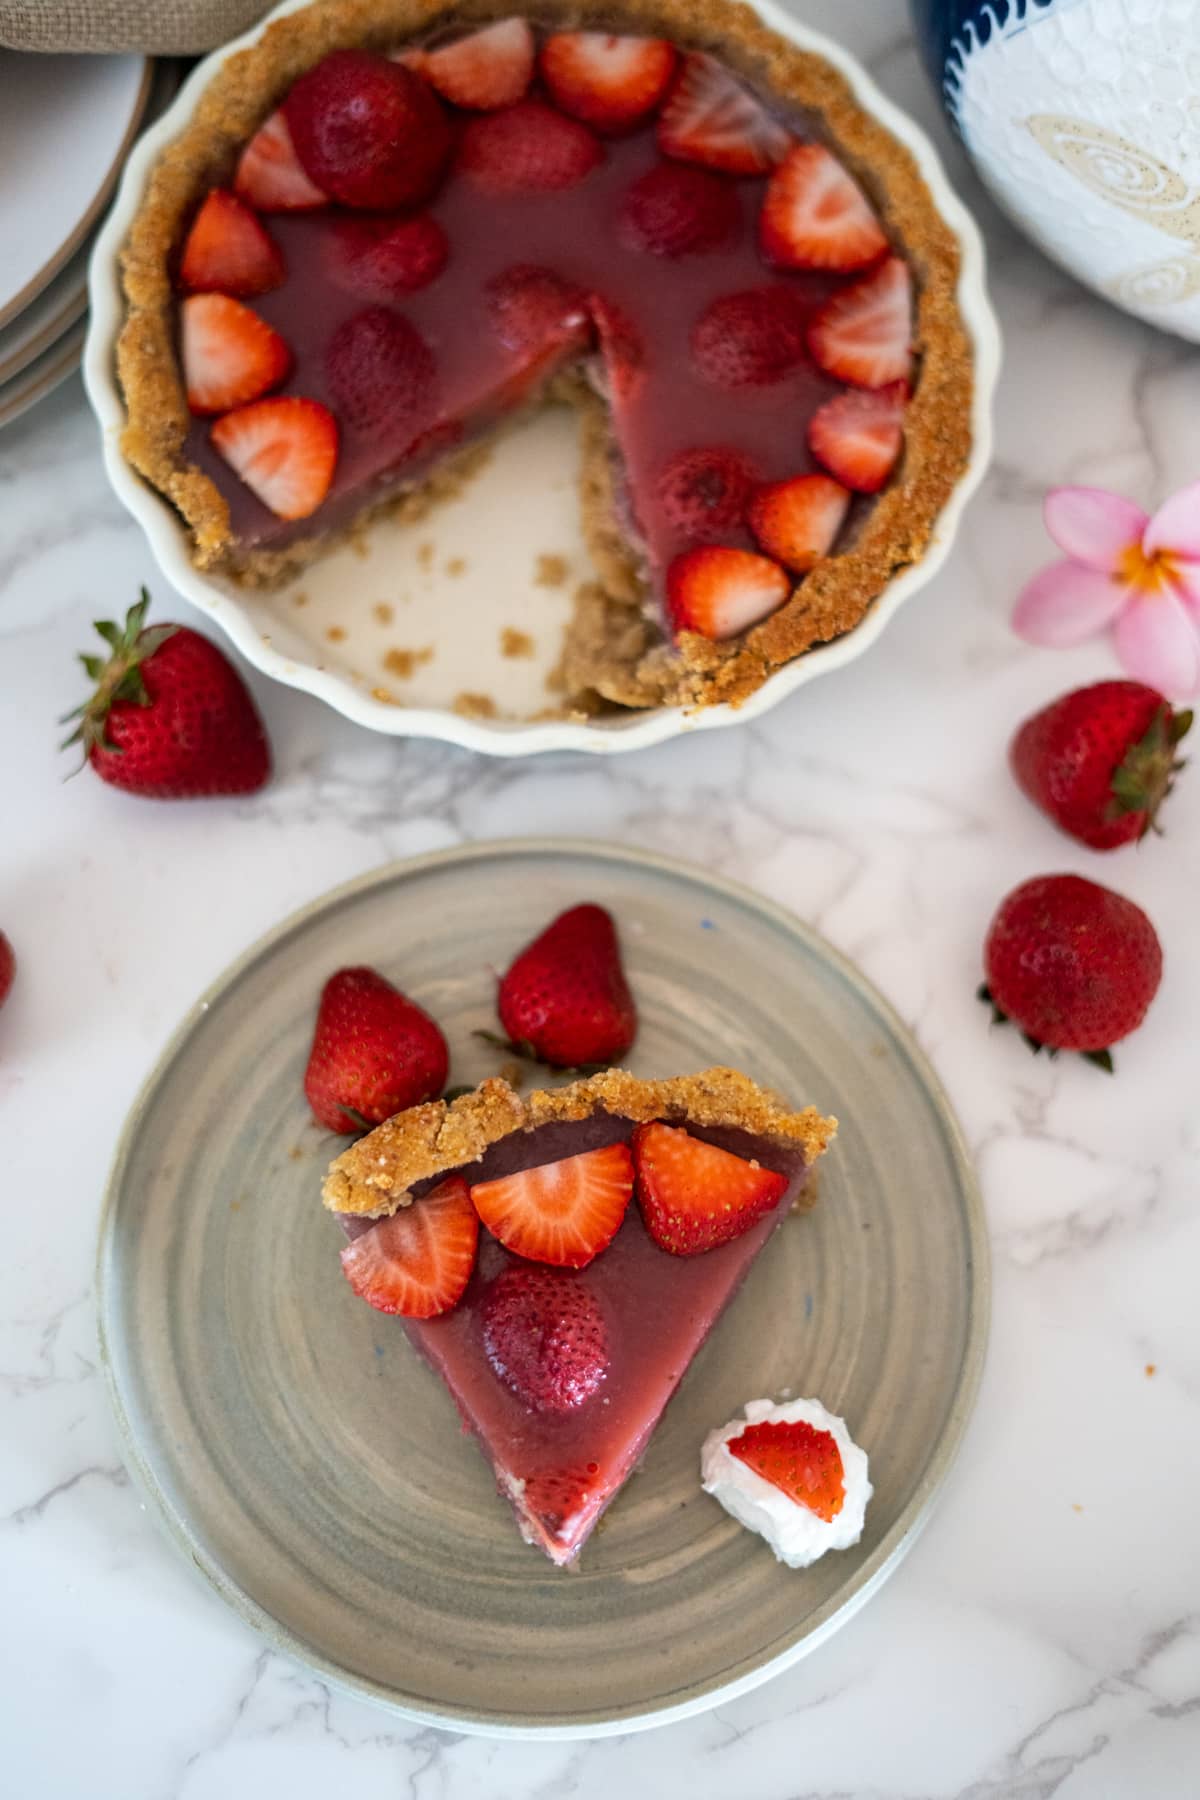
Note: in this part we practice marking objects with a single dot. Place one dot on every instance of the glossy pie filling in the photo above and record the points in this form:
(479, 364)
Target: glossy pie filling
(559, 1469)
(712, 269)
(662, 408)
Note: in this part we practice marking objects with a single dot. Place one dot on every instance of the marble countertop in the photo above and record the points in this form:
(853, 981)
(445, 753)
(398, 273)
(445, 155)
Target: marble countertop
(1043, 1638)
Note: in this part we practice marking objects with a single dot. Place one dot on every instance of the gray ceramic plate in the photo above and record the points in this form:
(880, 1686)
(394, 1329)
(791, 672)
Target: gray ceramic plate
(314, 1471)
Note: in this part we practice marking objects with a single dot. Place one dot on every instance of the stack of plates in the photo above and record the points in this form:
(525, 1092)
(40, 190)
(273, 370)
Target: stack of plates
(66, 125)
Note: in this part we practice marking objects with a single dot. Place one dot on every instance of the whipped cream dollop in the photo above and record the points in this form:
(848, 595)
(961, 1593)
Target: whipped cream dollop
(795, 1533)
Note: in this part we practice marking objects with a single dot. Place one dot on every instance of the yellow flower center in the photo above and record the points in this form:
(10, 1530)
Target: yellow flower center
(1150, 574)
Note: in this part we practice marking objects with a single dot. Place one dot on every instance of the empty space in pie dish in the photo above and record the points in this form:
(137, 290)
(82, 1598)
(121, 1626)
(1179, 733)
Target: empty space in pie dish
(465, 608)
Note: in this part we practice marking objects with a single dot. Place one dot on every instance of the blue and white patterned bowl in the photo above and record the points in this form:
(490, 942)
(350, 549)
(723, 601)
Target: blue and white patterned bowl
(1083, 119)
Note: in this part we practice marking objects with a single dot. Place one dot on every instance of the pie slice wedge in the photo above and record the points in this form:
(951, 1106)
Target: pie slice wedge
(562, 1371)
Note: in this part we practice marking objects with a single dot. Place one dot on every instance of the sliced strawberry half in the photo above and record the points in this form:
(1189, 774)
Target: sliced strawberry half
(753, 338)
(8, 967)
(709, 117)
(383, 258)
(419, 1261)
(620, 345)
(544, 1334)
(719, 592)
(285, 450)
(864, 334)
(230, 355)
(534, 311)
(564, 998)
(799, 1459)
(269, 173)
(797, 521)
(678, 209)
(382, 374)
(858, 435)
(542, 318)
(484, 70)
(815, 215)
(554, 1497)
(694, 1195)
(564, 1212)
(608, 82)
(228, 250)
(529, 148)
(704, 493)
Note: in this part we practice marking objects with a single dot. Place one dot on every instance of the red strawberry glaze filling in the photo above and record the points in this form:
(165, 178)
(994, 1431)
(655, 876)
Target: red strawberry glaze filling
(699, 344)
(563, 1433)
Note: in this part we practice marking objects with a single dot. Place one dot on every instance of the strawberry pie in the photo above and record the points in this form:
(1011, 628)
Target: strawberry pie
(560, 1259)
(390, 229)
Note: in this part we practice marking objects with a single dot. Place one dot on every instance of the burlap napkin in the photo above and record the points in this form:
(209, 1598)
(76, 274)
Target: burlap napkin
(159, 27)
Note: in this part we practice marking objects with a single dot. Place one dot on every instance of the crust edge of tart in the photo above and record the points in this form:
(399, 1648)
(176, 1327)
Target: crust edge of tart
(374, 1177)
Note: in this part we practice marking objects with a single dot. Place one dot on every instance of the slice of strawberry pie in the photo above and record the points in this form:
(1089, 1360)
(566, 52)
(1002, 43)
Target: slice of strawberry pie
(559, 1260)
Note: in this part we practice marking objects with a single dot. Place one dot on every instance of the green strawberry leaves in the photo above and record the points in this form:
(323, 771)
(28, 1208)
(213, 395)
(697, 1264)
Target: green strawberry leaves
(117, 676)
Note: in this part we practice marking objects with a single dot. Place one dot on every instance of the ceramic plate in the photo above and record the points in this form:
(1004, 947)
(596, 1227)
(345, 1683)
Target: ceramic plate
(43, 374)
(313, 1469)
(60, 304)
(65, 176)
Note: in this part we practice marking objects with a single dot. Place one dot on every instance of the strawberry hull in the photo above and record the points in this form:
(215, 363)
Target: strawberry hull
(560, 1471)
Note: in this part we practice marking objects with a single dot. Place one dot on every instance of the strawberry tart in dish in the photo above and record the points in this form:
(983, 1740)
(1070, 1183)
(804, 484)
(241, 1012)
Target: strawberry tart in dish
(559, 1259)
(393, 227)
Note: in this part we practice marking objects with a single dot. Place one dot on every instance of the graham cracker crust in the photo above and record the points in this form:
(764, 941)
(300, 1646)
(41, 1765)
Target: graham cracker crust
(375, 1176)
(613, 655)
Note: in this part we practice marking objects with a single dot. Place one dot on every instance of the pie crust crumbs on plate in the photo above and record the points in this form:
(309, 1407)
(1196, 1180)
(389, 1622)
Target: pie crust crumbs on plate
(614, 653)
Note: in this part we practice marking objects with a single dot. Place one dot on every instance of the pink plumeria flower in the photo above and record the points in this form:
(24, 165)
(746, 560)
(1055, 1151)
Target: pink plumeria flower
(1139, 575)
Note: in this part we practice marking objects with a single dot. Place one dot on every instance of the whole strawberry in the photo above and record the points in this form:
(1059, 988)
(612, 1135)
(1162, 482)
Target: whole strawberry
(8, 967)
(565, 1000)
(1100, 760)
(171, 718)
(1073, 964)
(374, 1052)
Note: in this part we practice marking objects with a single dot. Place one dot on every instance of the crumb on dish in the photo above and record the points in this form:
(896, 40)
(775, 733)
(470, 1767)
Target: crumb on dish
(475, 706)
(402, 663)
(516, 643)
(551, 570)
